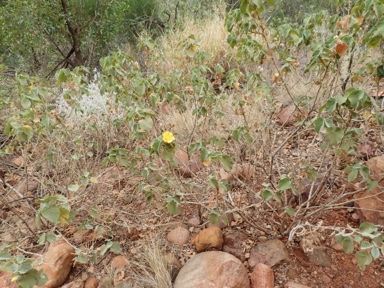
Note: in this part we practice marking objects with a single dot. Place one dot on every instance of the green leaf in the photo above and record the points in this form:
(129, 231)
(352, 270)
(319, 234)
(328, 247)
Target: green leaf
(365, 245)
(93, 211)
(168, 152)
(227, 162)
(42, 239)
(352, 175)
(26, 281)
(366, 229)
(334, 135)
(378, 240)
(363, 259)
(248, 138)
(82, 259)
(214, 216)
(284, 184)
(24, 267)
(375, 252)
(172, 206)
(73, 187)
(25, 102)
(318, 124)
(378, 29)
(331, 104)
(51, 237)
(372, 184)
(51, 213)
(146, 124)
(103, 249)
(5, 256)
(266, 194)
(116, 248)
(347, 245)
(290, 211)
(235, 135)
(140, 88)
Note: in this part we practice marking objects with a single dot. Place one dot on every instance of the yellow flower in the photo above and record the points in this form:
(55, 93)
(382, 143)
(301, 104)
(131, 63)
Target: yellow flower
(32, 86)
(14, 279)
(168, 137)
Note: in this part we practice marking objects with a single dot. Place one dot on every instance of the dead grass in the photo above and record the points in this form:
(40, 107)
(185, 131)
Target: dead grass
(155, 269)
(211, 36)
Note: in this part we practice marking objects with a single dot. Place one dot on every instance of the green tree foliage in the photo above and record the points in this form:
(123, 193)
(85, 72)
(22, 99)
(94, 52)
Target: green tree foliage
(69, 33)
(295, 11)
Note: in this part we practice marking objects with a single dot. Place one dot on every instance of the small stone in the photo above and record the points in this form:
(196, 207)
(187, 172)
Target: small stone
(355, 216)
(187, 167)
(325, 279)
(262, 238)
(337, 247)
(194, 221)
(210, 238)
(319, 257)
(58, 263)
(262, 277)
(233, 244)
(91, 283)
(74, 284)
(243, 172)
(270, 253)
(213, 269)
(18, 161)
(287, 115)
(292, 273)
(119, 262)
(178, 236)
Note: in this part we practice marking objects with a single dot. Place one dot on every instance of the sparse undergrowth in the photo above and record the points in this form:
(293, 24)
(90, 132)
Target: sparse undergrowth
(274, 125)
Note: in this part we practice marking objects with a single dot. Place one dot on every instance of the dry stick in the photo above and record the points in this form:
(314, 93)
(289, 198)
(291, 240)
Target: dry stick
(18, 215)
(272, 157)
(246, 219)
(263, 34)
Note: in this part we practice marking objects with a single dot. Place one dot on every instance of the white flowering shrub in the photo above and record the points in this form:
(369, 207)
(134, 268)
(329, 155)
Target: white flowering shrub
(89, 103)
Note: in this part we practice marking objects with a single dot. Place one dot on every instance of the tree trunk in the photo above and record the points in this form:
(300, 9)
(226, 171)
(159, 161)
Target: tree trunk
(74, 31)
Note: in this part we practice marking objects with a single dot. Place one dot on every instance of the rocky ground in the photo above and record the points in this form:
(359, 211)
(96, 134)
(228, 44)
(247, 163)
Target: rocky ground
(239, 255)
(246, 248)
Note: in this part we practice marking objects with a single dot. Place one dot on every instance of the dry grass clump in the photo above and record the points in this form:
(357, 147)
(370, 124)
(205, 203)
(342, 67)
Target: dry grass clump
(151, 268)
(210, 36)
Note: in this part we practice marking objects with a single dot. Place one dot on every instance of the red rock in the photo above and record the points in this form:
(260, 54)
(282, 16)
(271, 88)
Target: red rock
(270, 253)
(187, 167)
(262, 277)
(234, 244)
(119, 262)
(210, 238)
(58, 263)
(376, 166)
(319, 257)
(372, 207)
(5, 280)
(194, 221)
(91, 283)
(213, 269)
(179, 236)
(74, 284)
(287, 115)
(243, 172)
